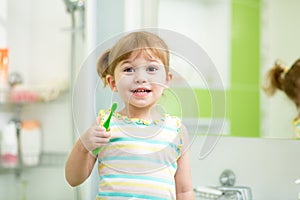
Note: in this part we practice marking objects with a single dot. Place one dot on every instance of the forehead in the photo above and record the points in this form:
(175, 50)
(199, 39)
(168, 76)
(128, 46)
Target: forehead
(145, 54)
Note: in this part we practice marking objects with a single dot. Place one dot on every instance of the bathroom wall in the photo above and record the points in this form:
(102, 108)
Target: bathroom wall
(3, 18)
(31, 25)
(38, 37)
(268, 166)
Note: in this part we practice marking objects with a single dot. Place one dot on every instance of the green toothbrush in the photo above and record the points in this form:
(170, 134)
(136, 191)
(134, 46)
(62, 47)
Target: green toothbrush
(106, 124)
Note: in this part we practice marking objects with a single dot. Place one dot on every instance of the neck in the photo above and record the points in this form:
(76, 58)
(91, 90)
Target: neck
(146, 113)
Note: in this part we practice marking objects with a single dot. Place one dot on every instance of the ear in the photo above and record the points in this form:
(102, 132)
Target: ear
(110, 80)
(169, 79)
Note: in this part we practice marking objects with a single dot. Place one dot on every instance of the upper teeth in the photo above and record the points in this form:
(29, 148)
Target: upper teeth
(141, 90)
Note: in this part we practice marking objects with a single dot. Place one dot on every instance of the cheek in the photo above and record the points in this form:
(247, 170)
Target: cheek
(158, 88)
(160, 80)
(121, 80)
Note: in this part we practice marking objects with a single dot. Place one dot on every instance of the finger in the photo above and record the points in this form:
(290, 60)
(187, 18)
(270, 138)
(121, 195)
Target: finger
(104, 134)
(102, 141)
(100, 129)
(107, 134)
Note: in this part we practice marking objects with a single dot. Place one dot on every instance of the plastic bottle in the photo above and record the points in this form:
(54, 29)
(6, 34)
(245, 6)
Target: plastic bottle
(3, 75)
(9, 145)
(30, 142)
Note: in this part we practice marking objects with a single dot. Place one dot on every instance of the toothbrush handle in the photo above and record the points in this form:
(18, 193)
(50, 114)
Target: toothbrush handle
(96, 151)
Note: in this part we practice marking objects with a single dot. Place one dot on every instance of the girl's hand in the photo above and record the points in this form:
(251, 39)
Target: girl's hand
(96, 136)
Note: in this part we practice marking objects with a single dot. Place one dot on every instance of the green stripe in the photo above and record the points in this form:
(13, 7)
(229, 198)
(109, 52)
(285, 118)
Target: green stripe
(136, 177)
(120, 194)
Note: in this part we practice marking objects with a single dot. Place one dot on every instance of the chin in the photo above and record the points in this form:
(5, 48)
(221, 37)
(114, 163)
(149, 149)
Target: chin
(141, 104)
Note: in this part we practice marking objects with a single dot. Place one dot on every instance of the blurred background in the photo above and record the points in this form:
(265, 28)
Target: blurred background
(53, 46)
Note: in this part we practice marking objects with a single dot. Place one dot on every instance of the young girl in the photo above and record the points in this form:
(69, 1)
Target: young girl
(287, 80)
(144, 154)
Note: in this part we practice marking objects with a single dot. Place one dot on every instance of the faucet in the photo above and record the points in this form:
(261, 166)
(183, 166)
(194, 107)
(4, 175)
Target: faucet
(239, 192)
(227, 180)
(226, 191)
(208, 192)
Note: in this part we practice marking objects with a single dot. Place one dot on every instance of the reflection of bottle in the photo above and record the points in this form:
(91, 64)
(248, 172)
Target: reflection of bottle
(30, 142)
(9, 146)
(3, 74)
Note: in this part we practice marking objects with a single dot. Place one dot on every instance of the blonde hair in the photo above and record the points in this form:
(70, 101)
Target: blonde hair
(285, 79)
(136, 42)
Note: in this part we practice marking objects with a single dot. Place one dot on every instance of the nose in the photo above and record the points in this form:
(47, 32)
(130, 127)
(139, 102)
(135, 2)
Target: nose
(140, 77)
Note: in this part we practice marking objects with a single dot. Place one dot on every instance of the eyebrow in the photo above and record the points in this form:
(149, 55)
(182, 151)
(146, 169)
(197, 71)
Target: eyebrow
(128, 61)
(124, 62)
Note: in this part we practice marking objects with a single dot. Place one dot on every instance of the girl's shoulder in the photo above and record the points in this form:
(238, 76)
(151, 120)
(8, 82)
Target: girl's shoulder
(173, 121)
(172, 117)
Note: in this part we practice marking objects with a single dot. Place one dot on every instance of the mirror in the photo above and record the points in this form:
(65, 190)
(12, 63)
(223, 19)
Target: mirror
(243, 38)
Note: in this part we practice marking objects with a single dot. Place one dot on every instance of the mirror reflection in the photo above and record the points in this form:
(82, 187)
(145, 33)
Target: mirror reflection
(242, 38)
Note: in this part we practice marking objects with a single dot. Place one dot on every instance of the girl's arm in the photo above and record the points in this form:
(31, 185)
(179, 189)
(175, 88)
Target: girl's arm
(183, 179)
(80, 162)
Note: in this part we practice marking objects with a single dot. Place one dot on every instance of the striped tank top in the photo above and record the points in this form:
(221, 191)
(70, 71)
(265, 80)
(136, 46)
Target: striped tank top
(140, 160)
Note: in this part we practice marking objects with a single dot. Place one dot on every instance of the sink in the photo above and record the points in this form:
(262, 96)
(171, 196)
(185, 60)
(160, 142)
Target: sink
(223, 193)
(239, 192)
(227, 190)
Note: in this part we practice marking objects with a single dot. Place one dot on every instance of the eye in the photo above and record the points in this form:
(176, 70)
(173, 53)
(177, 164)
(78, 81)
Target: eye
(152, 68)
(128, 70)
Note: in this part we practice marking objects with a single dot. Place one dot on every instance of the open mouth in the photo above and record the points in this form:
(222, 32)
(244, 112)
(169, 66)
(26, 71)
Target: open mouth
(141, 90)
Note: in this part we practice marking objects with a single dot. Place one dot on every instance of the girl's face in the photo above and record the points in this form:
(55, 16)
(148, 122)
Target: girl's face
(139, 80)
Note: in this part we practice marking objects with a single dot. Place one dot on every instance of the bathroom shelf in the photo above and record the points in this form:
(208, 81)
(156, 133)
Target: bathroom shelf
(41, 98)
(46, 160)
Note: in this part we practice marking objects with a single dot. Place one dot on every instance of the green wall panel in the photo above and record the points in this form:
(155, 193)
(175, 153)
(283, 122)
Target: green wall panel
(244, 111)
(193, 103)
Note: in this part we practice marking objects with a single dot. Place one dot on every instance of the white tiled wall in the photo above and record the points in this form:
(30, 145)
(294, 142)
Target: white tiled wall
(3, 23)
(268, 166)
(39, 50)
